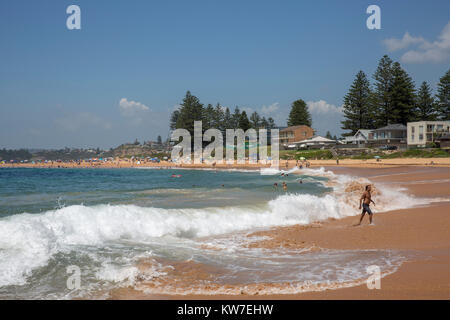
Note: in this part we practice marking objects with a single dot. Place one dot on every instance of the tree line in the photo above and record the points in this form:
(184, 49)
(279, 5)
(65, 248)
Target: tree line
(393, 98)
(218, 117)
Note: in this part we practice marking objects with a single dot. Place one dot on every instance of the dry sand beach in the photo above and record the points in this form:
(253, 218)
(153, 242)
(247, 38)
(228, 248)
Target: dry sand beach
(424, 231)
(122, 163)
(127, 163)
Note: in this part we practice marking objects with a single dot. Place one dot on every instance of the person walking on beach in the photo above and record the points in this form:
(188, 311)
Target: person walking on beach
(365, 200)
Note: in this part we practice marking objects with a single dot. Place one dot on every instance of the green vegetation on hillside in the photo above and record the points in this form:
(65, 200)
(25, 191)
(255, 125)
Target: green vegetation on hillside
(21, 154)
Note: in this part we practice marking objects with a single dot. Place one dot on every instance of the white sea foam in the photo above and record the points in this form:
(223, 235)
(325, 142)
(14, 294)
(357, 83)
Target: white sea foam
(275, 171)
(29, 241)
(279, 272)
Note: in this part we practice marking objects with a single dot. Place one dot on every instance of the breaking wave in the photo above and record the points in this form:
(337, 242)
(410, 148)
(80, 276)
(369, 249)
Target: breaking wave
(29, 241)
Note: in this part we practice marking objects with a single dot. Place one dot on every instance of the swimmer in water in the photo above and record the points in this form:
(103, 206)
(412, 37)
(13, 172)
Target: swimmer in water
(275, 186)
(300, 181)
(284, 186)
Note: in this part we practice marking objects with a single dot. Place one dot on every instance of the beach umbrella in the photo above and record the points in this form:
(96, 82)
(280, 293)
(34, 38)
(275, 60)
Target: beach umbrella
(377, 157)
(302, 158)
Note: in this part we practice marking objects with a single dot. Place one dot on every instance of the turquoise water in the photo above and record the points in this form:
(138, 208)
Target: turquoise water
(107, 221)
(39, 190)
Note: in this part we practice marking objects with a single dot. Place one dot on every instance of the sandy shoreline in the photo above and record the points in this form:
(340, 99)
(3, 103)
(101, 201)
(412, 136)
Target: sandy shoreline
(353, 163)
(424, 231)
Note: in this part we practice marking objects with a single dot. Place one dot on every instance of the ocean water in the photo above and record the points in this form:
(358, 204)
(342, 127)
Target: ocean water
(109, 223)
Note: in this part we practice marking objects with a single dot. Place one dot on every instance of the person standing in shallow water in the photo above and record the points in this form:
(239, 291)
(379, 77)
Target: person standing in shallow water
(365, 200)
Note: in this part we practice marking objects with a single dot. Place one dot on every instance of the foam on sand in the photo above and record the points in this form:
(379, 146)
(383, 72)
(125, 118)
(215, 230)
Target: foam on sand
(30, 241)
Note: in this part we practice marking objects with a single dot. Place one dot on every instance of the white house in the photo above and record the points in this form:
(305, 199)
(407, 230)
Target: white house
(394, 133)
(362, 136)
(315, 141)
(422, 132)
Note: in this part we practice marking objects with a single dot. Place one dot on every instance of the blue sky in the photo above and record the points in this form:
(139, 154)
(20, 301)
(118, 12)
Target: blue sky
(120, 76)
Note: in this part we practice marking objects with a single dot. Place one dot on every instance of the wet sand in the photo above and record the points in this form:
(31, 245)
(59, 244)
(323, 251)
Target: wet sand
(423, 231)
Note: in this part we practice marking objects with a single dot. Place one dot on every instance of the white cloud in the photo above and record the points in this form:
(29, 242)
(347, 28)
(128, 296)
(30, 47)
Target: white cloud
(131, 108)
(325, 117)
(394, 44)
(435, 52)
(175, 107)
(264, 110)
(75, 122)
(247, 110)
(321, 107)
(270, 109)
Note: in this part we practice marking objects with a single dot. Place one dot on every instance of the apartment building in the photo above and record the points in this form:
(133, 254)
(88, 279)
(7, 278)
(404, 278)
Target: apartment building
(293, 134)
(420, 133)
